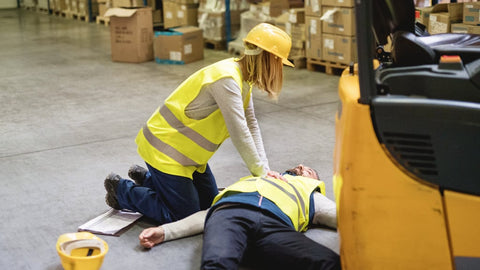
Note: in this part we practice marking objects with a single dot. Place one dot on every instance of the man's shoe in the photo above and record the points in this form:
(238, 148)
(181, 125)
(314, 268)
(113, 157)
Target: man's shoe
(137, 174)
(111, 184)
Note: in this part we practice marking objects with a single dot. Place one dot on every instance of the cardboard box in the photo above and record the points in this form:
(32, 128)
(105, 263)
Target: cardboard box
(102, 8)
(340, 49)
(422, 15)
(462, 28)
(313, 42)
(454, 10)
(295, 30)
(339, 3)
(213, 24)
(175, 14)
(187, 2)
(471, 13)
(337, 20)
(443, 15)
(277, 7)
(440, 23)
(296, 15)
(178, 45)
(127, 3)
(157, 16)
(313, 8)
(131, 34)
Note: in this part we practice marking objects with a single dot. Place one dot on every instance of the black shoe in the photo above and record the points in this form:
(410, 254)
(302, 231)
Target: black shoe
(137, 174)
(111, 184)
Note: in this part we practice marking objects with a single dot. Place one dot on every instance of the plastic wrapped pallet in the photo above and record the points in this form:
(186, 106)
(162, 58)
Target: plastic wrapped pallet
(211, 18)
(248, 20)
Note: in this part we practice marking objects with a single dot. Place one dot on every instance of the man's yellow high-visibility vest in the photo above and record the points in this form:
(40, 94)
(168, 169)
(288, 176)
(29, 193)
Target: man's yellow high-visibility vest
(292, 197)
(175, 144)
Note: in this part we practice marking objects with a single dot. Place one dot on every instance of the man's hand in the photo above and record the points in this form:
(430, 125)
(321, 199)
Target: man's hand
(151, 236)
(276, 175)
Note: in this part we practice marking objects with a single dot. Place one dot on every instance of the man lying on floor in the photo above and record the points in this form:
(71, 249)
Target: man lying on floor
(257, 221)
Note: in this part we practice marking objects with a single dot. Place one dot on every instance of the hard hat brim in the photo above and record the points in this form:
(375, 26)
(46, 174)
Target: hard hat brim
(288, 63)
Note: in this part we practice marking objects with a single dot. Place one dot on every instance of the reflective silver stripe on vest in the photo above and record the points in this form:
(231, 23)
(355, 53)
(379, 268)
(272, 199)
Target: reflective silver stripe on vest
(173, 121)
(294, 199)
(167, 149)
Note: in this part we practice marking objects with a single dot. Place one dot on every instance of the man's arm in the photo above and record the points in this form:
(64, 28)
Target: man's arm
(188, 226)
(325, 211)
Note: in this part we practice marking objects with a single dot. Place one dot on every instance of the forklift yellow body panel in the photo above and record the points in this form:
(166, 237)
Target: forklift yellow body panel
(386, 219)
(463, 212)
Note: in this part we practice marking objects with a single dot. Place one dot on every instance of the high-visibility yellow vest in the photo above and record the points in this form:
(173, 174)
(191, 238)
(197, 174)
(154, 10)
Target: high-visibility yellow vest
(293, 198)
(175, 144)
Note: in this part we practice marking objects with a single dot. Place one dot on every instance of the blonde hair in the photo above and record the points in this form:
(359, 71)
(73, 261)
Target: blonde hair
(264, 70)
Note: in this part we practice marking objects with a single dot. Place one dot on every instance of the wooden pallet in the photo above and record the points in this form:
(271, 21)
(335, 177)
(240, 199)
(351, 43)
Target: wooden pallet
(67, 14)
(81, 17)
(104, 20)
(31, 8)
(331, 68)
(59, 13)
(43, 10)
(214, 44)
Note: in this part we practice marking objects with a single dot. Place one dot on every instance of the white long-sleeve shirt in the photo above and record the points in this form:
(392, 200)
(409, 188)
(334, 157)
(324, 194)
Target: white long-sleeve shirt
(325, 214)
(226, 95)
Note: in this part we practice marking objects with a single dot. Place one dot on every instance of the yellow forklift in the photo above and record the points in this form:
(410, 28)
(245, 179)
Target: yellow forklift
(407, 150)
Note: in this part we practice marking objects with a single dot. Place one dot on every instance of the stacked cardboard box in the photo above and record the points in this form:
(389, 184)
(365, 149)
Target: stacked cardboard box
(471, 20)
(276, 8)
(180, 13)
(293, 22)
(248, 20)
(442, 16)
(213, 22)
(462, 17)
(330, 30)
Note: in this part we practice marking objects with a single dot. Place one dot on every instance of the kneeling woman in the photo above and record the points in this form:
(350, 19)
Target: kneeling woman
(185, 131)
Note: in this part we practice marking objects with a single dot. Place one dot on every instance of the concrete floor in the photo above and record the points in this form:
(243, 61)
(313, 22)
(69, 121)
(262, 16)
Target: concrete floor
(69, 116)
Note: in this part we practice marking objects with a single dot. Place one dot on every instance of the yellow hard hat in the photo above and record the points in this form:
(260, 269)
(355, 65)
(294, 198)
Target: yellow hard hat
(271, 39)
(81, 251)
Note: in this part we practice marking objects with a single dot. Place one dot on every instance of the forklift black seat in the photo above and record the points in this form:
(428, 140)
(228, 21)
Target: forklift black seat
(396, 18)
(410, 50)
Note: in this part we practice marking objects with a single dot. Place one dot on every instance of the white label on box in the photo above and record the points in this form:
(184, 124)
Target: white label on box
(175, 56)
(433, 18)
(315, 6)
(187, 48)
(266, 10)
(169, 15)
(180, 14)
(313, 27)
(328, 43)
(469, 6)
(292, 18)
